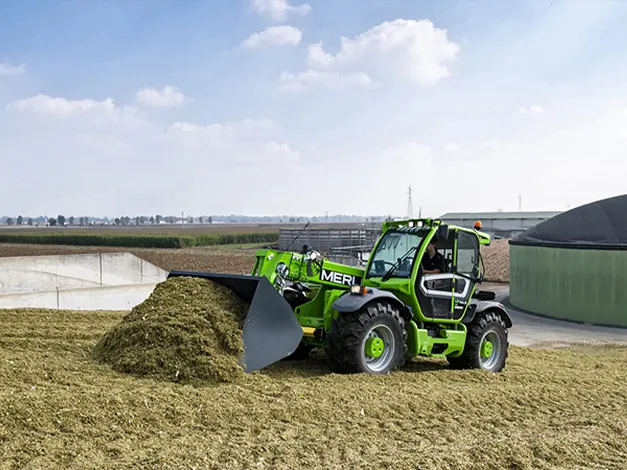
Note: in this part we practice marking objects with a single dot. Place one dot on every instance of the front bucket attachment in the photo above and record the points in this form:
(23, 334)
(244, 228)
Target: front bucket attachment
(271, 331)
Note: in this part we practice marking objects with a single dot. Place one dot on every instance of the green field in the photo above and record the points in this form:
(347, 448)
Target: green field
(153, 236)
(136, 239)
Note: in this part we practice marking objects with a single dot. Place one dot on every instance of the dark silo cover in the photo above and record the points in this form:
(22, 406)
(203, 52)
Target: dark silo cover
(601, 224)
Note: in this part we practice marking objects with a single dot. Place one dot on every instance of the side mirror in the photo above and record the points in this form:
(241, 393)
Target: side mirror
(442, 232)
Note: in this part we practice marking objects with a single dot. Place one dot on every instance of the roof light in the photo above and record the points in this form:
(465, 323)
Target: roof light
(478, 225)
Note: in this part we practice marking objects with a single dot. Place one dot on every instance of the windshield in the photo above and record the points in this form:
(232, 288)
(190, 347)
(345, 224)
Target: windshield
(392, 247)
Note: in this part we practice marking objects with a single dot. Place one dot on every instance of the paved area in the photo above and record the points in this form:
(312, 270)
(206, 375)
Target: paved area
(535, 330)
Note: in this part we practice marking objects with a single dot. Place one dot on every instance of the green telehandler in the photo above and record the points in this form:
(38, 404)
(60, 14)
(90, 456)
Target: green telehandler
(373, 318)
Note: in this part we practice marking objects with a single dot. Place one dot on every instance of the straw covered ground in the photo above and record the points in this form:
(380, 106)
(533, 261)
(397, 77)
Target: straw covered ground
(549, 409)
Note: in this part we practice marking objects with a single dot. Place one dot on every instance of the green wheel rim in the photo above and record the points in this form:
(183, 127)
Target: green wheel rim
(374, 347)
(486, 349)
(490, 350)
(379, 348)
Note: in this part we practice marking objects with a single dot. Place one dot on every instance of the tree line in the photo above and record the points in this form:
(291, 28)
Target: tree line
(60, 220)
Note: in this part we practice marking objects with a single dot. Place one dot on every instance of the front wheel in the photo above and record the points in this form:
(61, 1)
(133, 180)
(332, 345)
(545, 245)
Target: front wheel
(486, 344)
(372, 340)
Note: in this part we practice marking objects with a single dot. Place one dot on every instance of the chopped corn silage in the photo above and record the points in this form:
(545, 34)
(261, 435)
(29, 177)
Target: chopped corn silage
(188, 330)
(550, 409)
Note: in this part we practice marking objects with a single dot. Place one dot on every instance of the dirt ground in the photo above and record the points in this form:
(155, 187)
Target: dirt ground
(549, 409)
(229, 259)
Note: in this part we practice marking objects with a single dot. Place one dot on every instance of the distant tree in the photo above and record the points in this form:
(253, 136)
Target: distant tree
(20, 220)
(10, 221)
(117, 221)
(190, 219)
(210, 219)
(61, 220)
(126, 220)
(152, 219)
(71, 219)
(201, 220)
(30, 221)
(142, 219)
(52, 221)
(81, 220)
(159, 218)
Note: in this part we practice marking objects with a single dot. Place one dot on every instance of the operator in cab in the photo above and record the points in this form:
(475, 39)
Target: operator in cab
(432, 261)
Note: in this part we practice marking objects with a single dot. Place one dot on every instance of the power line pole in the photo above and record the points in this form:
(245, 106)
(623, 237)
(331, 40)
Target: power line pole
(519, 203)
(410, 205)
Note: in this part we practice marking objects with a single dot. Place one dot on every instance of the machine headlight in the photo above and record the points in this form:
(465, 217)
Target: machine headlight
(358, 290)
(282, 269)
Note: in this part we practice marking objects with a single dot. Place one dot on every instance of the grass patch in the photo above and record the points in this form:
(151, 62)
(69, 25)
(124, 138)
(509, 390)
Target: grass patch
(549, 409)
(139, 240)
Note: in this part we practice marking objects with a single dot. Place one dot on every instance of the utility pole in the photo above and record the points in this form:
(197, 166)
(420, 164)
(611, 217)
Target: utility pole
(410, 206)
(519, 203)
(182, 218)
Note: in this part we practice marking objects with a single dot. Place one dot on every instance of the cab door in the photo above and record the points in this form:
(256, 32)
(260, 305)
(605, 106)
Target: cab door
(444, 296)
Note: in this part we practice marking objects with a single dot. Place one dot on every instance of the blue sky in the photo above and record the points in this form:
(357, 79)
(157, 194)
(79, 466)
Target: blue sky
(516, 97)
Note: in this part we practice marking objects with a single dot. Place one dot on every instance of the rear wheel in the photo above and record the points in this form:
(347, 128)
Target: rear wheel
(372, 340)
(486, 345)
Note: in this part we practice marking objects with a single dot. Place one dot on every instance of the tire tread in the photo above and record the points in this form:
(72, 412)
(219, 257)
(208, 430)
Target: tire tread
(342, 346)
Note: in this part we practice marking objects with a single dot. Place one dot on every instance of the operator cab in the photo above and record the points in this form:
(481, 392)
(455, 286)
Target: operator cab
(399, 254)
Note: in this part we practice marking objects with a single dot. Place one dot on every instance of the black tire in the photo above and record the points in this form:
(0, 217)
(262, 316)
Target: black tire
(490, 325)
(346, 341)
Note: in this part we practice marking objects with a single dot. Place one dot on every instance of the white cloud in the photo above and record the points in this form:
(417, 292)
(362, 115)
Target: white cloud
(90, 112)
(274, 36)
(533, 109)
(492, 144)
(406, 49)
(408, 151)
(450, 147)
(7, 69)
(44, 104)
(91, 157)
(331, 80)
(279, 10)
(223, 136)
(167, 97)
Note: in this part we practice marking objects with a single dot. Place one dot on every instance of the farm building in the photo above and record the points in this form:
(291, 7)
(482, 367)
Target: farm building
(502, 224)
(327, 239)
(574, 265)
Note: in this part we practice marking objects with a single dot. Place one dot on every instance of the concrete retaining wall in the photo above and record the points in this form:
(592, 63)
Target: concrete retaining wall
(90, 298)
(46, 273)
(101, 281)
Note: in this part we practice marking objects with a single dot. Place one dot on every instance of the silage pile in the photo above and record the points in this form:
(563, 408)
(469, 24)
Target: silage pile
(188, 330)
(496, 260)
